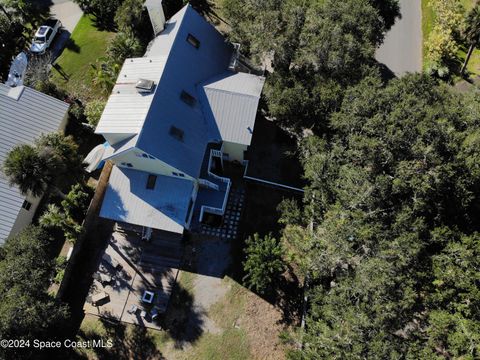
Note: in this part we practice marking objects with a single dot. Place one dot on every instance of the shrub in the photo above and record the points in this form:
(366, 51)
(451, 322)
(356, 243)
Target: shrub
(441, 44)
(264, 262)
(129, 15)
(124, 45)
(93, 111)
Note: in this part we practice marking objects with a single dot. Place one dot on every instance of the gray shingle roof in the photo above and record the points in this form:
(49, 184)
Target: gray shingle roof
(24, 115)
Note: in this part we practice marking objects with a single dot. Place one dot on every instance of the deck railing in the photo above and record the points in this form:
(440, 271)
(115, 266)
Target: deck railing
(211, 209)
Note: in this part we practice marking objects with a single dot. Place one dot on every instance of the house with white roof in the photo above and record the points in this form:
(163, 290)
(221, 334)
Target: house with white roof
(25, 114)
(174, 116)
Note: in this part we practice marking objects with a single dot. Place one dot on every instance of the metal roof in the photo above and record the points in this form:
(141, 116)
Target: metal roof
(162, 44)
(186, 67)
(227, 111)
(25, 114)
(126, 109)
(128, 200)
(231, 101)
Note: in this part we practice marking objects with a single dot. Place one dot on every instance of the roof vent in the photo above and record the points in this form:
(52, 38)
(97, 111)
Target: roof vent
(144, 86)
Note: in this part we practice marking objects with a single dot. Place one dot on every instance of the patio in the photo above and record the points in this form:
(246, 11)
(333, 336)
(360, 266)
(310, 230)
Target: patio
(134, 278)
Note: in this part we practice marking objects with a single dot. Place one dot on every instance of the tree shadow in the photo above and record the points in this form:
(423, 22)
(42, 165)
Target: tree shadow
(72, 45)
(289, 297)
(132, 342)
(83, 136)
(183, 321)
(103, 23)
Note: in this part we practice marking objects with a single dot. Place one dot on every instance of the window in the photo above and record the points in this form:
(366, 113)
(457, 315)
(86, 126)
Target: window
(26, 205)
(126, 164)
(174, 174)
(181, 175)
(145, 156)
(192, 40)
(152, 179)
(187, 98)
(49, 34)
(176, 133)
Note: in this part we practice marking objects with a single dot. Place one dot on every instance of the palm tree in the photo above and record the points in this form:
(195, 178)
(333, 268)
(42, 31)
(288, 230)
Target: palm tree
(54, 217)
(38, 169)
(27, 169)
(105, 74)
(472, 33)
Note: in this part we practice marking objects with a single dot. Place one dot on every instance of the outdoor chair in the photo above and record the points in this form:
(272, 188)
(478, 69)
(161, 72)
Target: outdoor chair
(133, 309)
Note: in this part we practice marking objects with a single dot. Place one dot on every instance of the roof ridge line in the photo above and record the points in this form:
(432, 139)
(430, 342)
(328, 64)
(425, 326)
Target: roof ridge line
(231, 92)
(167, 58)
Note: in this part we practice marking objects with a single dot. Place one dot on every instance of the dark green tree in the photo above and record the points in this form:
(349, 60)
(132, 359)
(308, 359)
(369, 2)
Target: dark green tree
(103, 10)
(50, 165)
(263, 263)
(26, 310)
(29, 170)
(124, 45)
(393, 201)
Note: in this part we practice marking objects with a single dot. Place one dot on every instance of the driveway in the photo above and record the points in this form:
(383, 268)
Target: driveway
(402, 50)
(69, 13)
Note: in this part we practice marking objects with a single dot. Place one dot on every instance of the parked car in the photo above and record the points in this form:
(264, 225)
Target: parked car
(44, 36)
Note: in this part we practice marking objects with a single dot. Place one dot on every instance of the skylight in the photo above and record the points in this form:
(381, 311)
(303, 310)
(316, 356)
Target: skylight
(192, 40)
(176, 133)
(187, 98)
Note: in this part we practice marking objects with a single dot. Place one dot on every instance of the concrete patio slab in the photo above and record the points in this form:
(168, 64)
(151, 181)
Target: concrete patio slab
(151, 266)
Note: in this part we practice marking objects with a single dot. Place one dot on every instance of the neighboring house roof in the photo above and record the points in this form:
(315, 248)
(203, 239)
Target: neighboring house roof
(232, 102)
(25, 114)
(127, 109)
(128, 200)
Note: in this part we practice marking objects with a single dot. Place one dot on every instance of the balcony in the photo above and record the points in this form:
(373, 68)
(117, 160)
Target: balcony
(214, 189)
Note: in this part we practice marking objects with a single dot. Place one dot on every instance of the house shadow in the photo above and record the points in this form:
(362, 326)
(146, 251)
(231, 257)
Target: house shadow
(78, 287)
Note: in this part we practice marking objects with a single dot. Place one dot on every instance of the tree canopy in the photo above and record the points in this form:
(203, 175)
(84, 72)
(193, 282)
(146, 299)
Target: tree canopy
(26, 310)
(51, 163)
(394, 204)
(316, 49)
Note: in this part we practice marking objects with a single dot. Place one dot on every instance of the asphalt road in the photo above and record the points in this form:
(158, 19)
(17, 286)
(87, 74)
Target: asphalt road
(401, 51)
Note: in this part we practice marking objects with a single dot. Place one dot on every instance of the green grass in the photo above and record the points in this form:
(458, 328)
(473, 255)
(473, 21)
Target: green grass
(85, 46)
(428, 18)
(231, 344)
(229, 309)
(127, 340)
(186, 280)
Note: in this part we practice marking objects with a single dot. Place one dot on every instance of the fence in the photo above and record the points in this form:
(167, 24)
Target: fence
(87, 225)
